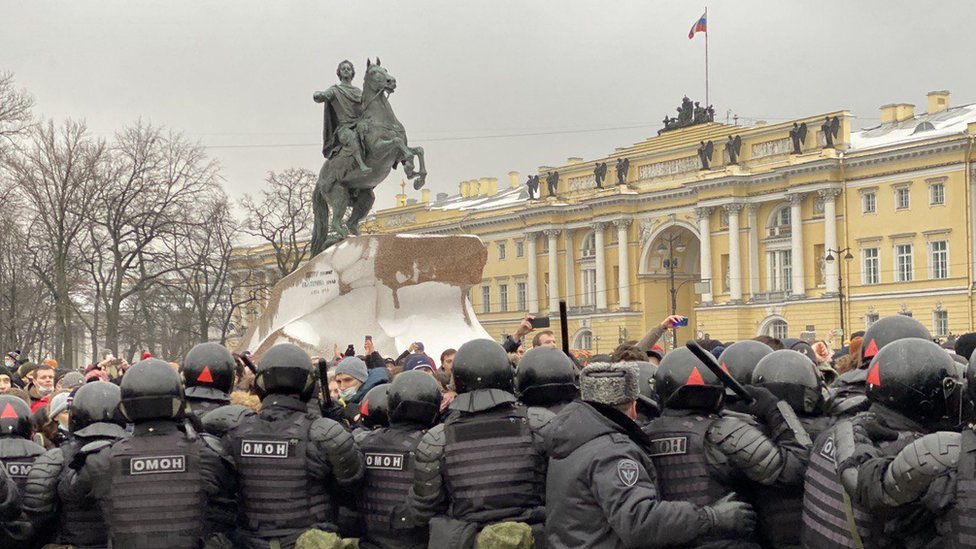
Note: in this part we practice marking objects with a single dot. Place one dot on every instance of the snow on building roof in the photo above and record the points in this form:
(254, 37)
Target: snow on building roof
(501, 199)
(924, 126)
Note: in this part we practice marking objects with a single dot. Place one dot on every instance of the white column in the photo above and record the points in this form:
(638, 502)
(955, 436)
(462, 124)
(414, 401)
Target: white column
(570, 269)
(829, 197)
(752, 211)
(553, 235)
(796, 242)
(623, 257)
(735, 257)
(601, 266)
(533, 289)
(705, 246)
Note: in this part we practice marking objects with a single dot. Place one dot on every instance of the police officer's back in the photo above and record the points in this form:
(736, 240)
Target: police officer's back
(701, 453)
(208, 374)
(17, 456)
(413, 404)
(290, 466)
(159, 471)
(546, 378)
(95, 416)
(601, 490)
(915, 388)
(486, 463)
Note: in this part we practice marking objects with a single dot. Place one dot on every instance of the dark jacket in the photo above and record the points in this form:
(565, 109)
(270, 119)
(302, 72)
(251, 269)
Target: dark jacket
(600, 488)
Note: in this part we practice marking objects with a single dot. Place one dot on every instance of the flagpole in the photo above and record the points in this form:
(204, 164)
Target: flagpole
(706, 58)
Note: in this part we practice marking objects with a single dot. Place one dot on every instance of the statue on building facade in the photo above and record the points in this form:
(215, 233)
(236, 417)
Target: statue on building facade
(363, 142)
(623, 166)
(798, 134)
(732, 148)
(689, 113)
(532, 183)
(600, 173)
(830, 128)
(552, 180)
(705, 154)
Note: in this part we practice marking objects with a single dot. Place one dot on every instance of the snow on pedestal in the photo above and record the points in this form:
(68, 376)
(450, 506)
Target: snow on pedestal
(396, 288)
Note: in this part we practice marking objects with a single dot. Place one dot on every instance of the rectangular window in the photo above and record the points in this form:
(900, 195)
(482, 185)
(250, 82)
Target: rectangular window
(870, 266)
(486, 299)
(902, 199)
(936, 194)
(503, 298)
(940, 323)
(501, 251)
(781, 271)
(520, 249)
(903, 262)
(520, 301)
(869, 203)
(589, 287)
(870, 319)
(938, 259)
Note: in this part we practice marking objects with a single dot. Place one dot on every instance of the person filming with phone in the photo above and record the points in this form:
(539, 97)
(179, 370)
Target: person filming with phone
(543, 338)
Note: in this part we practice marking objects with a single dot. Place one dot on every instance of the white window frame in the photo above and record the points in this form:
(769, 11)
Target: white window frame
(503, 298)
(934, 274)
(584, 340)
(870, 318)
(485, 298)
(901, 192)
(501, 251)
(937, 193)
(519, 248)
(900, 275)
(779, 274)
(940, 319)
(870, 197)
(588, 246)
(780, 221)
(778, 328)
(589, 287)
(866, 261)
(521, 302)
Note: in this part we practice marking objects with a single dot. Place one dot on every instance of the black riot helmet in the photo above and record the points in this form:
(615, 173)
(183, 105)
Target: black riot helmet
(95, 402)
(800, 346)
(285, 369)
(209, 365)
(414, 397)
(545, 376)
(151, 389)
(740, 359)
(482, 364)
(791, 377)
(647, 398)
(916, 378)
(374, 411)
(15, 417)
(684, 383)
(886, 330)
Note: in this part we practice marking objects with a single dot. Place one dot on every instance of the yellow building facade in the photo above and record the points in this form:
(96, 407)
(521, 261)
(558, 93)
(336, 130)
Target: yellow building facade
(775, 243)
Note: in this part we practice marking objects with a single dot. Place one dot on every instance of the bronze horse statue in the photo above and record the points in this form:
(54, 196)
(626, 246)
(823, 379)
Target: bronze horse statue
(342, 184)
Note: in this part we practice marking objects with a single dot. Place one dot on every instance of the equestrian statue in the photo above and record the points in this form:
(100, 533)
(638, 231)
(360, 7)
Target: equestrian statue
(362, 142)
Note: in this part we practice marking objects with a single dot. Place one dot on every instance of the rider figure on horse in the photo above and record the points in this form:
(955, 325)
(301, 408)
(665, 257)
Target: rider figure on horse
(343, 110)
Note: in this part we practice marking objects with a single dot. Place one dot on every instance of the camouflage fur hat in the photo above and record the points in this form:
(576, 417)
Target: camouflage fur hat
(611, 384)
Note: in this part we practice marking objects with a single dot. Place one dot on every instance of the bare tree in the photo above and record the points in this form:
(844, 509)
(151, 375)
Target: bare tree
(15, 108)
(283, 217)
(56, 172)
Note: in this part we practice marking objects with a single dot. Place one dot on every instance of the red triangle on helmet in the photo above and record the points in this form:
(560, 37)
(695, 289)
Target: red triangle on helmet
(874, 375)
(871, 349)
(8, 412)
(364, 409)
(725, 368)
(205, 376)
(695, 378)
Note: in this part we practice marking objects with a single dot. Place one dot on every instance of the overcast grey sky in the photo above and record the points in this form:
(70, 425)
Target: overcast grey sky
(485, 87)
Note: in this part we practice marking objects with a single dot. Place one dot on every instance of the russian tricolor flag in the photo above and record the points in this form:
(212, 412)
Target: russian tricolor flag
(700, 26)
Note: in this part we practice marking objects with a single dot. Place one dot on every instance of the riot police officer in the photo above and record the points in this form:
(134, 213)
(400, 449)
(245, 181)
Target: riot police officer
(648, 402)
(9, 498)
(914, 388)
(486, 463)
(741, 358)
(702, 453)
(792, 378)
(414, 401)
(158, 471)
(95, 417)
(290, 465)
(208, 373)
(17, 455)
(375, 409)
(546, 377)
(847, 392)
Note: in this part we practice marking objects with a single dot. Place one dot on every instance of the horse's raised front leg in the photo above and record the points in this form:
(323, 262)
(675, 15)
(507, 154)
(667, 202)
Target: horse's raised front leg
(422, 172)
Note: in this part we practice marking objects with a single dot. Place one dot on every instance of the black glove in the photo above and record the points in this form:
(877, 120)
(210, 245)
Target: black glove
(78, 461)
(878, 432)
(729, 517)
(764, 402)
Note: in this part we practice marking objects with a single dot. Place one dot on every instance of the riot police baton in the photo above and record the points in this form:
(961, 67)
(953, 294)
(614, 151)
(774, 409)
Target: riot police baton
(564, 326)
(325, 401)
(712, 364)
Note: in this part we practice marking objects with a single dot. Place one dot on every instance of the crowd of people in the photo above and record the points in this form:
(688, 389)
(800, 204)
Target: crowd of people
(753, 444)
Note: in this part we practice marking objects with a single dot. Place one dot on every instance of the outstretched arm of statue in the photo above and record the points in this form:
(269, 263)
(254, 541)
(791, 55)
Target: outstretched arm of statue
(323, 96)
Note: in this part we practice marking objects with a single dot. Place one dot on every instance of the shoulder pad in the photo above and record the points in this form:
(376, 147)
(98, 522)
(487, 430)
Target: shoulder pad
(54, 456)
(360, 435)
(745, 418)
(728, 424)
(95, 447)
(212, 442)
(538, 417)
(220, 420)
(431, 446)
(324, 429)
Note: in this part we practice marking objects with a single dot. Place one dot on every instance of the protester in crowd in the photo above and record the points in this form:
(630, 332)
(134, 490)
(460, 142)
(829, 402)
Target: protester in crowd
(41, 389)
(5, 382)
(447, 359)
(419, 362)
(354, 380)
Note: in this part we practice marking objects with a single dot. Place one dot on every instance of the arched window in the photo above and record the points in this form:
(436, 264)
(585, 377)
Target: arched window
(584, 340)
(778, 329)
(779, 221)
(588, 248)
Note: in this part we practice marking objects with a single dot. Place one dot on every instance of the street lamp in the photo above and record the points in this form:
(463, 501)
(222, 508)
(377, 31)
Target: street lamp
(671, 243)
(840, 284)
